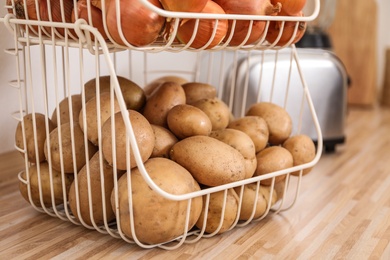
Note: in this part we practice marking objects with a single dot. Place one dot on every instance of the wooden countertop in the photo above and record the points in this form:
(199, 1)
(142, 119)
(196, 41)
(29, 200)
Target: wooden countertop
(343, 212)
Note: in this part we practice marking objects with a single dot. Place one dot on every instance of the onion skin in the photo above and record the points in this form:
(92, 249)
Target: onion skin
(96, 14)
(205, 29)
(291, 7)
(140, 25)
(32, 14)
(184, 5)
(288, 31)
(249, 7)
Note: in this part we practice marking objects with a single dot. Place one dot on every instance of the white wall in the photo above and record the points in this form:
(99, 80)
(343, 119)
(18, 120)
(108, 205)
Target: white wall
(9, 97)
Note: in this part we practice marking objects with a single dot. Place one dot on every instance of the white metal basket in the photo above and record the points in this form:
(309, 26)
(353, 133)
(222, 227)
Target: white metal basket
(53, 67)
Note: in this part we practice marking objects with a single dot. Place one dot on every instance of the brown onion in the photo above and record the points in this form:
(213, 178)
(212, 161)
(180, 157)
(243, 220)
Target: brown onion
(43, 14)
(291, 7)
(241, 28)
(288, 31)
(205, 29)
(96, 15)
(184, 5)
(140, 25)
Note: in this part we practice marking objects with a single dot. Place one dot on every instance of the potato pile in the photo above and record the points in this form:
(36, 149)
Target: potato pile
(187, 140)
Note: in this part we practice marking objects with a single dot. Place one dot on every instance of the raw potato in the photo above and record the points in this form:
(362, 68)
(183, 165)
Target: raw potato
(168, 95)
(64, 110)
(214, 212)
(143, 133)
(255, 127)
(209, 160)
(67, 142)
(303, 151)
(163, 141)
(45, 183)
(278, 120)
(40, 129)
(196, 90)
(249, 200)
(279, 189)
(91, 114)
(156, 83)
(133, 94)
(216, 110)
(186, 120)
(241, 142)
(96, 192)
(157, 219)
(272, 159)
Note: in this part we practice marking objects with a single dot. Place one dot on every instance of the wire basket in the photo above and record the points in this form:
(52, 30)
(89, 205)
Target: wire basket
(53, 67)
(67, 21)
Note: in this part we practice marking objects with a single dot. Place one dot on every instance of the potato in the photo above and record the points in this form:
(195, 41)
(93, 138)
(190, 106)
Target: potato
(156, 83)
(196, 90)
(243, 143)
(278, 120)
(302, 149)
(168, 95)
(280, 189)
(163, 141)
(45, 184)
(91, 114)
(255, 127)
(143, 133)
(133, 94)
(66, 142)
(97, 197)
(64, 111)
(209, 160)
(250, 203)
(214, 212)
(186, 120)
(272, 159)
(157, 219)
(216, 110)
(29, 130)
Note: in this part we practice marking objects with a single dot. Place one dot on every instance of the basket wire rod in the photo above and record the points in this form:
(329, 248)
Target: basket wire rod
(311, 107)
(269, 203)
(233, 81)
(245, 86)
(283, 199)
(274, 76)
(242, 190)
(221, 75)
(223, 210)
(288, 84)
(189, 15)
(259, 84)
(45, 99)
(183, 237)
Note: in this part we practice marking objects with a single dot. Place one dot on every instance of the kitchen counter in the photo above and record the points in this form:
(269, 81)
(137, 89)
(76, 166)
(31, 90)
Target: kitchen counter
(343, 212)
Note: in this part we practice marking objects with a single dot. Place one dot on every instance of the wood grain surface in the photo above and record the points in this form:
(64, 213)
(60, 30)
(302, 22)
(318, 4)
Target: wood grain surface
(354, 36)
(343, 212)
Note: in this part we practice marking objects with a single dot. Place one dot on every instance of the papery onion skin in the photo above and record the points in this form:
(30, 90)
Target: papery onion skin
(288, 31)
(96, 14)
(43, 15)
(140, 26)
(205, 29)
(184, 5)
(241, 27)
(291, 7)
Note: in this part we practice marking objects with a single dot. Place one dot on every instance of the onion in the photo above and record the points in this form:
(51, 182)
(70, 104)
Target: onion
(184, 5)
(204, 33)
(96, 15)
(242, 27)
(288, 31)
(291, 7)
(140, 25)
(43, 14)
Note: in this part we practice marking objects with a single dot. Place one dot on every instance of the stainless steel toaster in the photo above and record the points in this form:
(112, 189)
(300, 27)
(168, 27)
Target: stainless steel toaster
(271, 76)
